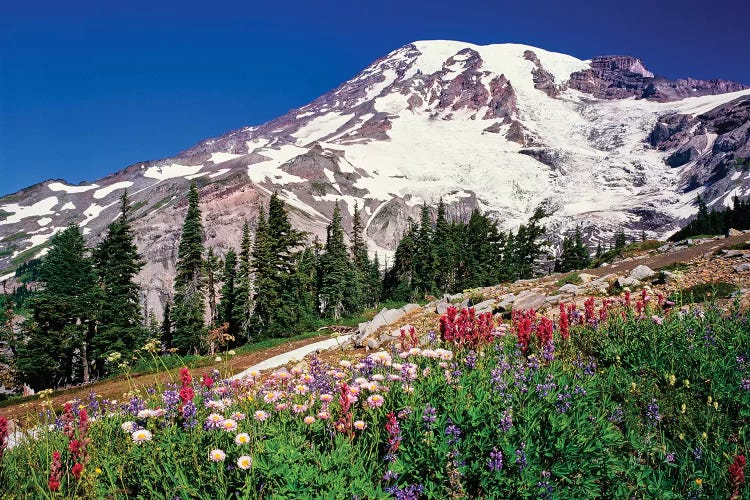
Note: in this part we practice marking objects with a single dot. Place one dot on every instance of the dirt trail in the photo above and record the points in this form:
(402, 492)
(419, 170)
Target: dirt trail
(657, 261)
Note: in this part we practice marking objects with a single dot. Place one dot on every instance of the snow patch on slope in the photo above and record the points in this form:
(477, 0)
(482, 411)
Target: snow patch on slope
(38, 209)
(103, 192)
(221, 157)
(59, 186)
(171, 171)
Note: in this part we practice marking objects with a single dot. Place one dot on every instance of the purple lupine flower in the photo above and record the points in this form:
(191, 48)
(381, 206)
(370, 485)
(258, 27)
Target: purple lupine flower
(429, 416)
(453, 432)
(579, 391)
(189, 412)
(432, 337)
(409, 492)
(698, 454)
(471, 360)
(390, 476)
(563, 403)
(617, 415)
(133, 406)
(745, 384)
(545, 485)
(548, 386)
(548, 352)
(495, 462)
(670, 458)
(506, 422)
(652, 413)
(521, 457)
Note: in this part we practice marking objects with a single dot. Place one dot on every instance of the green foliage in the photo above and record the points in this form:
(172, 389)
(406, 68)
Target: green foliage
(716, 222)
(630, 408)
(575, 254)
(704, 292)
(337, 292)
(56, 339)
(188, 306)
(117, 263)
(574, 278)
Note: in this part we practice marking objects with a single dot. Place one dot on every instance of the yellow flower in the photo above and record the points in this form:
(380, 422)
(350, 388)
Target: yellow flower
(682, 436)
(686, 383)
(710, 399)
(97, 471)
(672, 379)
(704, 436)
(716, 405)
(699, 481)
(683, 408)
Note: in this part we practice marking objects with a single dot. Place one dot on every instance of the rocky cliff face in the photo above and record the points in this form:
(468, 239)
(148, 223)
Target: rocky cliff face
(504, 128)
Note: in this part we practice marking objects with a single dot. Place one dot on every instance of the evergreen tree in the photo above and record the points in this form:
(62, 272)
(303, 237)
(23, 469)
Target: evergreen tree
(528, 246)
(64, 312)
(620, 239)
(398, 280)
(242, 303)
(337, 273)
(166, 325)
(117, 263)
(275, 264)
(188, 308)
(444, 245)
(424, 257)
(229, 294)
(575, 254)
(211, 267)
(362, 289)
(599, 251)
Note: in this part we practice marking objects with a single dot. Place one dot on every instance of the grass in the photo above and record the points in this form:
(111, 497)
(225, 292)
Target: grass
(675, 267)
(704, 292)
(630, 250)
(572, 279)
(15, 237)
(740, 246)
(29, 253)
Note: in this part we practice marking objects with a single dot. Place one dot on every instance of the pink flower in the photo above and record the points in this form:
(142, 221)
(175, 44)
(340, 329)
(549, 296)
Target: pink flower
(217, 455)
(375, 401)
(260, 416)
(309, 419)
(360, 425)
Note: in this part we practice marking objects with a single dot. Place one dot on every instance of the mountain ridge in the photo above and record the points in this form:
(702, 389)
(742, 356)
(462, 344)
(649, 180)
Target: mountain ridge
(504, 128)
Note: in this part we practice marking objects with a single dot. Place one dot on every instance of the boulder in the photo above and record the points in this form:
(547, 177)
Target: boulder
(373, 344)
(744, 267)
(570, 288)
(553, 300)
(506, 301)
(627, 282)
(453, 298)
(733, 232)
(484, 306)
(442, 307)
(529, 300)
(668, 277)
(641, 273)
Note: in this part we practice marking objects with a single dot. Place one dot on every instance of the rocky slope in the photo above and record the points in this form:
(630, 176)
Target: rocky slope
(505, 128)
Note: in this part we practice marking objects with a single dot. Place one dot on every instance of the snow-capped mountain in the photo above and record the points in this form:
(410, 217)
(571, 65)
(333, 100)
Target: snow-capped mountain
(506, 128)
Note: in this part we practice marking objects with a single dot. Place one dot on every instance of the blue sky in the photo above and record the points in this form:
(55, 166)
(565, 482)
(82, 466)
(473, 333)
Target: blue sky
(88, 88)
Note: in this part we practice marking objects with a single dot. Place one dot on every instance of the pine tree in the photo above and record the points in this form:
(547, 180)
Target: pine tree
(211, 267)
(188, 308)
(265, 296)
(229, 294)
(336, 272)
(424, 257)
(620, 239)
(398, 280)
(64, 315)
(166, 325)
(117, 263)
(362, 289)
(242, 303)
(575, 254)
(444, 245)
(528, 244)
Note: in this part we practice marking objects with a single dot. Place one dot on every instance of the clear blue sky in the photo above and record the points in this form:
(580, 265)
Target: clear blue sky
(87, 88)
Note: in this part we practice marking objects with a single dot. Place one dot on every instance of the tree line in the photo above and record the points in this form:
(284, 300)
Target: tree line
(86, 313)
(716, 221)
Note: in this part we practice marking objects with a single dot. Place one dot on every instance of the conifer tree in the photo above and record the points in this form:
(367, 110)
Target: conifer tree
(620, 239)
(444, 245)
(265, 297)
(424, 257)
(575, 254)
(336, 272)
(242, 303)
(229, 294)
(64, 315)
(211, 268)
(398, 280)
(117, 263)
(361, 286)
(166, 325)
(528, 245)
(188, 308)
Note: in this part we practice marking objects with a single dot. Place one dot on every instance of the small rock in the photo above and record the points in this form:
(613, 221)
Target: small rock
(586, 278)
(665, 248)
(442, 307)
(604, 264)
(668, 277)
(742, 267)
(570, 288)
(641, 273)
(553, 300)
(373, 344)
(733, 232)
(733, 253)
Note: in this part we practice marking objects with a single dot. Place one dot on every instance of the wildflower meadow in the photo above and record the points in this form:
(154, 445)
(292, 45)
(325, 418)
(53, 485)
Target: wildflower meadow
(625, 398)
